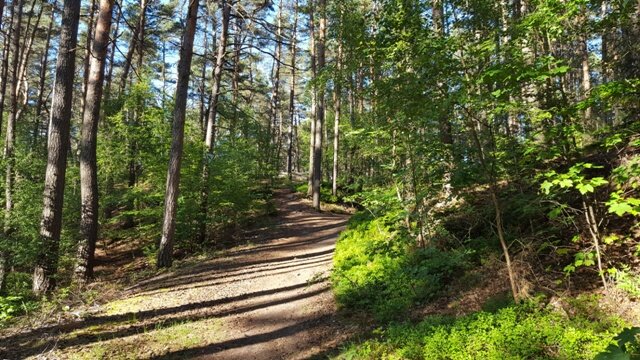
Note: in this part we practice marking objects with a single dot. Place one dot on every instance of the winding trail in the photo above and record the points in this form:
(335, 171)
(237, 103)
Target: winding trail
(270, 300)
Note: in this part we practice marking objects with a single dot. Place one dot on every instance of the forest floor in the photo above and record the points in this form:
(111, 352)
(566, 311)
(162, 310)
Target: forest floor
(270, 299)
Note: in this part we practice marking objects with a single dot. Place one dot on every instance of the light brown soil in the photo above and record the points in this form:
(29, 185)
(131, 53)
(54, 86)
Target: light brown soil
(271, 300)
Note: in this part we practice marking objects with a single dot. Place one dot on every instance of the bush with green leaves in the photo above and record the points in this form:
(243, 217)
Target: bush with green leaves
(378, 269)
(515, 332)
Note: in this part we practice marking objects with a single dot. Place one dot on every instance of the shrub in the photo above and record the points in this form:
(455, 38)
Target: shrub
(377, 268)
(515, 332)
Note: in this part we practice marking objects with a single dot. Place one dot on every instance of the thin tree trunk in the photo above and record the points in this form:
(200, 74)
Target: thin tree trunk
(87, 146)
(235, 81)
(4, 252)
(13, 112)
(274, 107)
(133, 45)
(165, 251)
(210, 133)
(58, 145)
(87, 54)
(25, 53)
(203, 78)
(112, 54)
(312, 130)
(292, 90)
(44, 64)
(336, 123)
(319, 118)
(4, 76)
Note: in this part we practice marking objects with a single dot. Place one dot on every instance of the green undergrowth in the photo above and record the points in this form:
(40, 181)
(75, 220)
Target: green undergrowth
(522, 331)
(377, 269)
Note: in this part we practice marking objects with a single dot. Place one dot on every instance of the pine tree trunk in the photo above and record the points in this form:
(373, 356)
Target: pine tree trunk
(87, 54)
(210, 133)
(312, 130)
(112, 53)
(337, 104)
(274, 107)
(9, 145)
(40, 101)
(165, 252)
(319, 118)
(87, 146)
(58, 145)
(292, 91)
(4, 71)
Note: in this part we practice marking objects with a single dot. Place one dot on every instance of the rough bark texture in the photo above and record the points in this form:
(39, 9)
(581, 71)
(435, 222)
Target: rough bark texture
(210, 134)
(274, 105)
(88, 137)
(40, 101)
(165, 252)
(13, 112)
(337, 104)
(312, 60)
(87, 54)
(292, 91)
(319, 118)
(58, 145)
(4, 67)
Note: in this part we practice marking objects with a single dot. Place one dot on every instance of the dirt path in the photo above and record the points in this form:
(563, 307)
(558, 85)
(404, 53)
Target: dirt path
(270, 300)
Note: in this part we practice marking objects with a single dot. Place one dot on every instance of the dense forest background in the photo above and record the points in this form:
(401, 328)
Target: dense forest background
(477, 139)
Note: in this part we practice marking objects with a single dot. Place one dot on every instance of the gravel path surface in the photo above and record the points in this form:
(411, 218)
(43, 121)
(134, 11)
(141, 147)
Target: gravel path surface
(271, 300)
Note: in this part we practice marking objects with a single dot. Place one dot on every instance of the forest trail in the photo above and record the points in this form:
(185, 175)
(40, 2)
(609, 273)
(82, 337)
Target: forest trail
(270, 300)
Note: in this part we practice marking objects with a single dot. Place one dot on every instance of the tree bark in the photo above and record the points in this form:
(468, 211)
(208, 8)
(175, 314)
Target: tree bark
(13, 112)
(40, 101)
(274, 107)
(165, 251)
(210, 134)
(112, 53)
(87, 53)
(337, 104)
(58, 145)
(292, 91)
(4, 71)
(319, 118)
(312, 60)
(87, 146)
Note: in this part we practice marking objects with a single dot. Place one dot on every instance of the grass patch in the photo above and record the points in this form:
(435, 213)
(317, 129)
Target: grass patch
(157, 340)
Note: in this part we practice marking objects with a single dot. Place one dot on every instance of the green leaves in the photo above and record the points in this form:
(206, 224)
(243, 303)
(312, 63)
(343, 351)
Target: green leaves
(621, 206)
(573, 179)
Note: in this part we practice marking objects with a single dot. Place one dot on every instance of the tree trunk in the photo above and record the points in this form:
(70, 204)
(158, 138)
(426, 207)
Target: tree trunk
(133, 45)
(235, 81)
(210, 134)
(292, 91)
(13, 112)
(4, 71)
(336, 123)
(4, 252)
(87, 146)
(312, 130)
(112, 54)
(87, 54)
(40, 102)
(165, 252)
(58, 145)
(319, 118)
(25, 53)
(274, 107)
